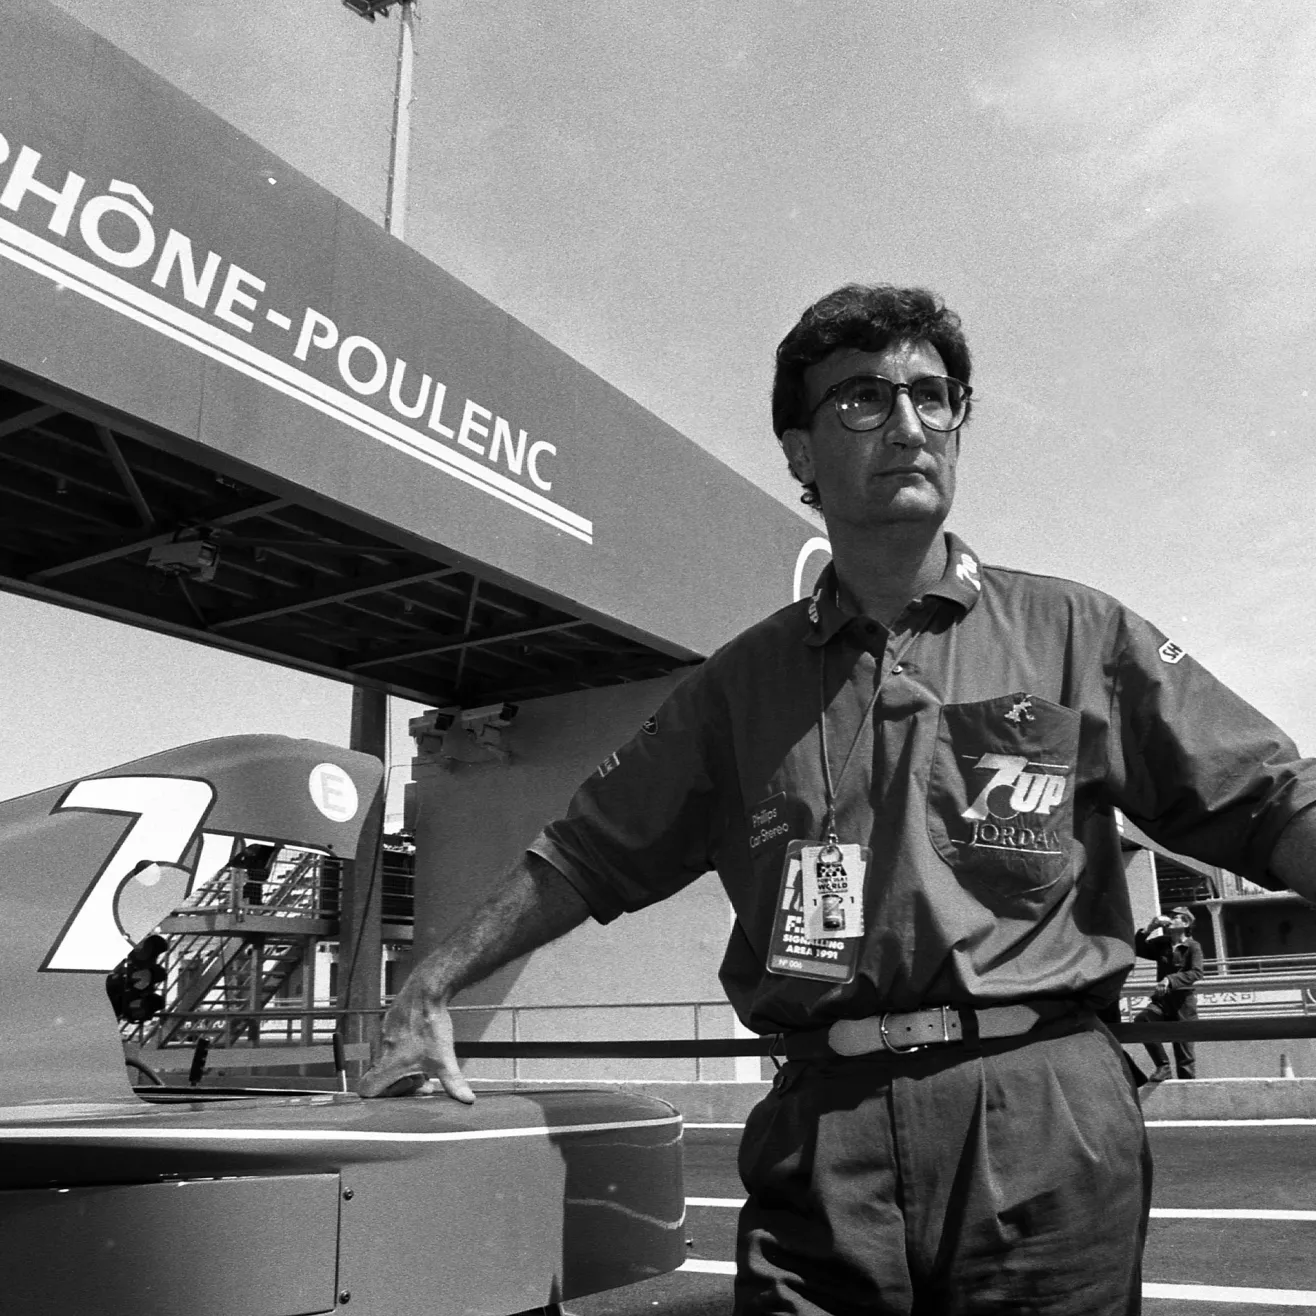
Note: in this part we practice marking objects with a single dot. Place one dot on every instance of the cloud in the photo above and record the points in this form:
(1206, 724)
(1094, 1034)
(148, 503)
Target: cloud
(1159, 118)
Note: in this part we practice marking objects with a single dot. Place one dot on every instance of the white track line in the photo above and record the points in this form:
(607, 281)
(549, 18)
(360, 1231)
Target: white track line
(1222, 1124)
(1184, 1292)
(1151, 1124)
(1158, 1212)
(1228, 1293)
(1211, 1213)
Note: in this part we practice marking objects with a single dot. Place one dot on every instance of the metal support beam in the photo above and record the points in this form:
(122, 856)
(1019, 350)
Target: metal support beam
(25, 420)
(126, 477)
(360, 948)
(130, 547)
(190, 599)
(473, 642)
(466, 631)
(1215, 909)
(334, 596)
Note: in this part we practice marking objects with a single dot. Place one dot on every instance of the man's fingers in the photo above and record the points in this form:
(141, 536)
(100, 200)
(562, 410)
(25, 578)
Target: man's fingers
(447, 1070)
(456, 1086)
(392, 1079)
(416, 1047)
(406, 1086)
(405, 1081)
(400, 1069)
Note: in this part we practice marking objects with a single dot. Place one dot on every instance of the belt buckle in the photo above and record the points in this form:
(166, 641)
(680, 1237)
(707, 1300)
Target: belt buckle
(916, 1046)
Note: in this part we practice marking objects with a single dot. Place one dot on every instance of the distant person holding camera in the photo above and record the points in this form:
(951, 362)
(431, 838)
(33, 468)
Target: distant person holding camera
(1179, 967)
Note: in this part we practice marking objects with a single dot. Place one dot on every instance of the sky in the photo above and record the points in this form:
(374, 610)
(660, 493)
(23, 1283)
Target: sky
(1116, 197)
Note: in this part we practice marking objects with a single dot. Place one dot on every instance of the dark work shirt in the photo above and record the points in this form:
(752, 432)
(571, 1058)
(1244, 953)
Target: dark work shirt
(1179, 967)
(1014, 714)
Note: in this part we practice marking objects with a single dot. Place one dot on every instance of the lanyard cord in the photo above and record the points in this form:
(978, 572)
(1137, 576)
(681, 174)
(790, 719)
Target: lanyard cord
(829, 790)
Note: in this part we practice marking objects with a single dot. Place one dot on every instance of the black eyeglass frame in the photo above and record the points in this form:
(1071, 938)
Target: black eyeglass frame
(895, 394)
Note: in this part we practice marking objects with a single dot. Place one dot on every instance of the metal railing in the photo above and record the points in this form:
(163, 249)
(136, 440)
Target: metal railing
(219, 966)
(291, 890)
(1241, 995)
(280, 1029)
(302, 1036)
(697, 1034)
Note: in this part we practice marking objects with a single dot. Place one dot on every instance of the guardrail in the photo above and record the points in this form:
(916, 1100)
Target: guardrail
(254, 1054)
(1237, 996)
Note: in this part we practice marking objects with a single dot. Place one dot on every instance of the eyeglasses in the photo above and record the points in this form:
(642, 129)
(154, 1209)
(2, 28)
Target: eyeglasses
(863, 402)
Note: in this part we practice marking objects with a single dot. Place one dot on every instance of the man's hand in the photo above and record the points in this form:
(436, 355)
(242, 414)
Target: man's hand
(1162, 986)
(417, 1046)
(534, 905)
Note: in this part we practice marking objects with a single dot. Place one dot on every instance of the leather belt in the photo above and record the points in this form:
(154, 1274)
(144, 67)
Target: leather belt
(900, 1032)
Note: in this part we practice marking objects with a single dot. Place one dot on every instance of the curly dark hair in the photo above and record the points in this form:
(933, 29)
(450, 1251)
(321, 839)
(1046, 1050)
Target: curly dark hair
(868, 317)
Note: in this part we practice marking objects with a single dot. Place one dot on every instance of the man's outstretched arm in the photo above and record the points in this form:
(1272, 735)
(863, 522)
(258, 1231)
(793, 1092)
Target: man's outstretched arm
(534, 905)
(1294, 858)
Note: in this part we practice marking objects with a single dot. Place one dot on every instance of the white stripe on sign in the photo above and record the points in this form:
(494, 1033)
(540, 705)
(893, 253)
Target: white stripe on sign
(737, 1202)
(70, 272)
(711, 1267)
(1227, 1293)
(1212, 1213)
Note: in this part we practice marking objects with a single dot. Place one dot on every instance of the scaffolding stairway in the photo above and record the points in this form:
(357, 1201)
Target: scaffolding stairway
(231, 956)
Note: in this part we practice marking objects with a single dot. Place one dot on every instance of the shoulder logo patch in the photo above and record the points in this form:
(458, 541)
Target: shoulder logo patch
(1170, 652)
(968, 571)
(650, 725)
(608, 764)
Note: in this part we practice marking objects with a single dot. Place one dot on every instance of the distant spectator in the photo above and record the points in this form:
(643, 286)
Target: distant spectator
(1178, 969)
(254, 861)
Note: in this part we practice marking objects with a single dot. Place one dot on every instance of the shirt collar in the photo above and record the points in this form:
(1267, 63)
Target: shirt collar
(960, 583)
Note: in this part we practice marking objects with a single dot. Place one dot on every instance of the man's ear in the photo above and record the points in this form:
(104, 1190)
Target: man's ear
(798, 445)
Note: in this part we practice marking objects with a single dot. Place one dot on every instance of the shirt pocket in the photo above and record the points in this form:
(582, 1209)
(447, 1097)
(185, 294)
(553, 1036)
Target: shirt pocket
(1001, 797)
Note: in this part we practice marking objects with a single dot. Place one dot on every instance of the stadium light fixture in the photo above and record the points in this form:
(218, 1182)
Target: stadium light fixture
(368, 9)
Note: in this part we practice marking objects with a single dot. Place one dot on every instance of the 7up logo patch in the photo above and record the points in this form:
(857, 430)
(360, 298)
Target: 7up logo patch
(1031, 792)
(1013, 807)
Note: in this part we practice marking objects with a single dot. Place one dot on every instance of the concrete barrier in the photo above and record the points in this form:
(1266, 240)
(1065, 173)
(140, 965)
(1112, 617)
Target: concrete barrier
(1230, 1099)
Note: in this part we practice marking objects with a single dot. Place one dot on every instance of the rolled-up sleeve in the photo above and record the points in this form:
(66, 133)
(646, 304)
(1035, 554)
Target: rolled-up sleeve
(643, 825)
(1196, 767)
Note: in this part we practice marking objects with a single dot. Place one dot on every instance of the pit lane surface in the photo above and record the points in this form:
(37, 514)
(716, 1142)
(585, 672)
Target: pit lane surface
(1233, 1230)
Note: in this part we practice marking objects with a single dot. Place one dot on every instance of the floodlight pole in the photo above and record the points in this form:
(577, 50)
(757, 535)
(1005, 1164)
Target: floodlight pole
(395, 207)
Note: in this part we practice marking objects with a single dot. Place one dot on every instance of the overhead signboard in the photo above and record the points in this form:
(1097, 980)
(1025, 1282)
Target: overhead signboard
(158, 262)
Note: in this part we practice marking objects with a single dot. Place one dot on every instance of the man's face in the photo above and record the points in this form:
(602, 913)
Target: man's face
(899, 472)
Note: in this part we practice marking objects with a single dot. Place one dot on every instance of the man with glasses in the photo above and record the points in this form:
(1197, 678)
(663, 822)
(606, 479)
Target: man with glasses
(907, 784)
